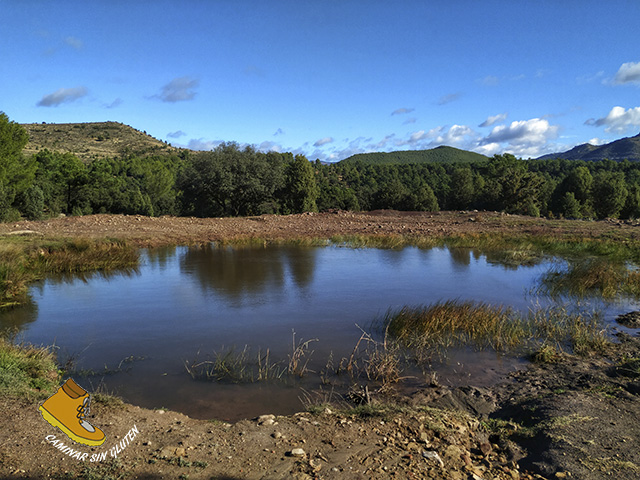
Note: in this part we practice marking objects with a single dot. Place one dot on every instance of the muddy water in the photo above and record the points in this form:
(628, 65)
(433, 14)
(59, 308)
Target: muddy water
(185, 303)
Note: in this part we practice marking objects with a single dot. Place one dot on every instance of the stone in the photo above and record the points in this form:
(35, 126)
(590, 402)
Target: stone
(297, 452)
(276, 435)
(431, 455)
(266, 419)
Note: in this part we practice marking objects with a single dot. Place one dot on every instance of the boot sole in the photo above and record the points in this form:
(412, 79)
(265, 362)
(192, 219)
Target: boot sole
(54, 422)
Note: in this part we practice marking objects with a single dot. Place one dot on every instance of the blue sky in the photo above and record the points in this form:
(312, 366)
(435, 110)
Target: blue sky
(330, 78)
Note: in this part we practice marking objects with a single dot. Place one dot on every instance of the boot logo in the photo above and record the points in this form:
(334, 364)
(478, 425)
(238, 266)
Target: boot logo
(67, 409)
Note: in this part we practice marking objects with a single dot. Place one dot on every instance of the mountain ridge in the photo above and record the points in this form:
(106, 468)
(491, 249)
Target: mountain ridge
(627, 148)
(441, 154)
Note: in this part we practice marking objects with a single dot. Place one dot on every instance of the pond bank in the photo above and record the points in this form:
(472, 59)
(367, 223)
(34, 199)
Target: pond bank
(576, 417)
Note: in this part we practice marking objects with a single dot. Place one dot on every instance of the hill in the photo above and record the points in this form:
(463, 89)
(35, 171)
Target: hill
(89, 141)
(623, 149)
(435, 155)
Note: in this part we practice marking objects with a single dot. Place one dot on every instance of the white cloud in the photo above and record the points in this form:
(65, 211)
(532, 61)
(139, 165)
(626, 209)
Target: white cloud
(402, 111)
(493, 120)
(628, 73)
(62, 95)
(323, 141)
(596, 141)
(178, 90)
(488, 149)
(268, 146)
(202, 144)
(523, 137)
(618, 119)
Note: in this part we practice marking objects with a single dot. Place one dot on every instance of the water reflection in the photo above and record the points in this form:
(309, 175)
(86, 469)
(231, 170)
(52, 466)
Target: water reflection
(14, 320)
(186, 300)
(238, 273)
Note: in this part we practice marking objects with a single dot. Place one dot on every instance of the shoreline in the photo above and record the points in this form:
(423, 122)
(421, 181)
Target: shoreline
(544, 422)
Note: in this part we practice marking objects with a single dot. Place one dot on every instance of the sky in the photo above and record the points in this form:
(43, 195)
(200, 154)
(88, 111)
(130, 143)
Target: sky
(330, 78)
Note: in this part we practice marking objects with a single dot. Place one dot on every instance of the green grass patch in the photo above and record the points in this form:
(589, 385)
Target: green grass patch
(27, 370)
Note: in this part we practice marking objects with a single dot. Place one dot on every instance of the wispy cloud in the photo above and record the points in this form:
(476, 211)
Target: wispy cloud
(179, 89)
(323, 141)
(493, 120)
(278, 132)
(451, 97)
(628, 73)
(74, 42)
(490, 81)
(117, 102)
(402, 111)
(62, 95)
(176, 134)
(618, 120)
(410, 120)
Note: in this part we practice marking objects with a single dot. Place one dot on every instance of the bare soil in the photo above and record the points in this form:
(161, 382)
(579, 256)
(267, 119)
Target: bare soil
(156, 231)
(575, 418)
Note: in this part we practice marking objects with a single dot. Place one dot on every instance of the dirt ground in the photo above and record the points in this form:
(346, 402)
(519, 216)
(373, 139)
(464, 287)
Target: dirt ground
(155, 231)
(575, 418)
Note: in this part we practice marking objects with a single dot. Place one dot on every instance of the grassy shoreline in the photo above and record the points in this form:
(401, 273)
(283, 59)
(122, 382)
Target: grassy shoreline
(27, 259)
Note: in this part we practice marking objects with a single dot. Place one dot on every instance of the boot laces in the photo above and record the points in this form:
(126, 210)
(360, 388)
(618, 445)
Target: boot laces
(83, 410)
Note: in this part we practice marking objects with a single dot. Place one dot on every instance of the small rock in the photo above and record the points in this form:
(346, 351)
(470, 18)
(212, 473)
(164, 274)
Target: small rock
(266, 419)
(180, 452)
(431, 455)
(276, 435)
(297, 452)
(160, 412)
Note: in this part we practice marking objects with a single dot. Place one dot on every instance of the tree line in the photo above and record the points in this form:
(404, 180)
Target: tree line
(237, 181)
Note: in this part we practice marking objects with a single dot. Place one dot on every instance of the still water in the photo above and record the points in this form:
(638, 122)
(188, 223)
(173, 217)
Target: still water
(187, 302)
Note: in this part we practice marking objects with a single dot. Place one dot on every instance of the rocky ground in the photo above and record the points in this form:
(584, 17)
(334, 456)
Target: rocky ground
(571, 418)
(154, 231)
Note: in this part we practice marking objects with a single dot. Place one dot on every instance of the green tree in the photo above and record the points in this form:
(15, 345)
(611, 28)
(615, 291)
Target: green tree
(300, 187)
(16, 172)
(570, 206)
(462, 188)
(609, 193)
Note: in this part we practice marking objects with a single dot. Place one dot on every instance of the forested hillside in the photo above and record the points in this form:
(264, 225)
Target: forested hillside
(233, 180)
(441, 154)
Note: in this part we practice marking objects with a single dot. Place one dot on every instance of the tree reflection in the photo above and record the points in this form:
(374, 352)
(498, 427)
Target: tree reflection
(238, 272)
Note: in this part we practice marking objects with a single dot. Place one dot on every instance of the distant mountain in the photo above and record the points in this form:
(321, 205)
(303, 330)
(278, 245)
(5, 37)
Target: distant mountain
(435, 155)
(622, 149)
(89, 141)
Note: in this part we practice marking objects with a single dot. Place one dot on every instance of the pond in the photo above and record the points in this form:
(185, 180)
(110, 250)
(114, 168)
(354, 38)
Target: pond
(135, 330)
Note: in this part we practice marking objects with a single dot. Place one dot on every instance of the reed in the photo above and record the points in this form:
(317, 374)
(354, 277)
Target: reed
(592, 276)
(452, 324)
(24, 261)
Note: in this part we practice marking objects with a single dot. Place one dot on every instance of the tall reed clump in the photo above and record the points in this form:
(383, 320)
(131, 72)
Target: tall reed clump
(593, 276)
(24, 261)
(453, 323)
(27, 370)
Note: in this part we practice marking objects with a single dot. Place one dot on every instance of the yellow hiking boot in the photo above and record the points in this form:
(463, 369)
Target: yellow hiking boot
(66, 410)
